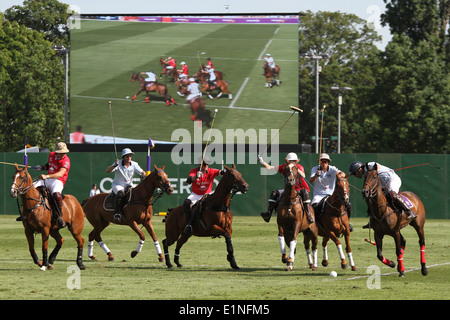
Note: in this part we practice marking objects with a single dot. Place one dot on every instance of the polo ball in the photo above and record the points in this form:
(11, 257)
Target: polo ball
(216, 110)
(333, 274)
(127, 97)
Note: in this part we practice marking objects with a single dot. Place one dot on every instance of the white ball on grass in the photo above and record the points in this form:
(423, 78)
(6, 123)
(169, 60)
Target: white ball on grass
(333, 274)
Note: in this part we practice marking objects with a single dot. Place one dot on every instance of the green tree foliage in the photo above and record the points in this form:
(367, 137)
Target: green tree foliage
(48, 17)
(401, 96)
(31, 88)
(351, 46)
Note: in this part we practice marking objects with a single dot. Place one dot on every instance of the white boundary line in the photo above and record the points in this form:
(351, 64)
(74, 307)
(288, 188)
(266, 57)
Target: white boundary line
(390, 273)
(239, 93)
(186, 105)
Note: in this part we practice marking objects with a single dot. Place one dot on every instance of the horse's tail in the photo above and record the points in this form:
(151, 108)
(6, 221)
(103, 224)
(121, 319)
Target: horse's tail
(84, 202)
(167, 214)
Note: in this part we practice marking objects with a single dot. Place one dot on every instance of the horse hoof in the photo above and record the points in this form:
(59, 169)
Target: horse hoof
(160, 259)
(179, 265)
(50, 267)
(353, 268)
(424, 271)
(324, 263)
(401, 274)
(169, 265)
(344, 266)
(93, 258)
(134, 253)
(110, 257)
(81, 266)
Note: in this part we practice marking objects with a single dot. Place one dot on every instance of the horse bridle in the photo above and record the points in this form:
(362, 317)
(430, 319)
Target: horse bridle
(341, 196)
(23, 191)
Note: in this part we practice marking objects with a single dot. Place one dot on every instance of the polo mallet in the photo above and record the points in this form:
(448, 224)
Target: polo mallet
(295, 109)
(209, 136)
(112, 125)
(25, 156)
(198, 57)
(321, 128)
(151, 145)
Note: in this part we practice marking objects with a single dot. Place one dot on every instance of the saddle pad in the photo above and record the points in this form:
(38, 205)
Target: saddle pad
(408, 203)
(108, 203)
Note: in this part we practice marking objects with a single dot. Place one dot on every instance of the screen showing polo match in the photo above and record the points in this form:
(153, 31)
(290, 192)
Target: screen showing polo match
(129, 77)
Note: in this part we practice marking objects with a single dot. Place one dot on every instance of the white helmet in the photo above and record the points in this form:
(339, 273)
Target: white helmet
(182, 62)
(126, 151)
(191, 79)
(291, 156)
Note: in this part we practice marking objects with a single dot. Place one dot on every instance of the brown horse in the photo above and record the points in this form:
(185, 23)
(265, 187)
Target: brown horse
(200, 74)
(37, 218)
(152, 87)
(335, 221)
(271, 77)
(172, 73)
(384, 219)
(291, 220)
(139, 210)
(218, 85)
(215, 217)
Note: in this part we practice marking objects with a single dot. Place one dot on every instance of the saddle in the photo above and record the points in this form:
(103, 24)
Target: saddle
(392, 204)
(108, 203)
(49, 202)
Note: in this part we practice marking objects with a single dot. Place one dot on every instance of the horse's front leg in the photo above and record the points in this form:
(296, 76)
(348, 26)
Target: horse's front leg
(149, 227)
(45, 236)
(349, 250)
(30, 239)
(137, 93)
(133, 225)
(379, 242)
(282, 243)
(399, 249)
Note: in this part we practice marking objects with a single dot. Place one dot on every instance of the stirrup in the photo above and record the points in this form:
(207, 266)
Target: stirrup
(188, 229)
(117, 217)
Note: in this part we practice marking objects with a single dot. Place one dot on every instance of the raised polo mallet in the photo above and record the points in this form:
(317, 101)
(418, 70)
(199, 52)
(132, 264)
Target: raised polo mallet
(295, 109)
(209, 136)
(321, 128)
(112, 125)
(151, 145)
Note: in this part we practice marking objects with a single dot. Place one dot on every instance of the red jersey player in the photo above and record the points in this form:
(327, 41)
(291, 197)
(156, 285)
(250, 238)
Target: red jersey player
(202, 179)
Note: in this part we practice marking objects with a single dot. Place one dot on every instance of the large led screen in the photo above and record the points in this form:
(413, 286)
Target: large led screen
(105, 51)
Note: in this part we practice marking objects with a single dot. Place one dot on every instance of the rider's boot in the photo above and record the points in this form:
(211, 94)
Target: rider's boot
(118, 206)
(309, 209)
(59, 203)
(188, 216)
(273, 203)
(399, 201)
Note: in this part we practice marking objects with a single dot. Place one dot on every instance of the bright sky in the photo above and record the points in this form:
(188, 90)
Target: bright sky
(369, 10)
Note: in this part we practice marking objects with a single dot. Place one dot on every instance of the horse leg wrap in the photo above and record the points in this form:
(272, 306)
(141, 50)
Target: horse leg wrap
(157, 247)
(292, 246)
(350, 258)
(104, 247)
(325, 253)
(387, 262)
(341, 252)
(90, 249)
(422, 254)
(139, 246)
(401, 266)
(282, 244)
(315, 258)
(308, 255)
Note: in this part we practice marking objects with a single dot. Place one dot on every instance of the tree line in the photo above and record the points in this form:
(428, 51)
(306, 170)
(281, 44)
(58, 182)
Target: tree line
(400, 98)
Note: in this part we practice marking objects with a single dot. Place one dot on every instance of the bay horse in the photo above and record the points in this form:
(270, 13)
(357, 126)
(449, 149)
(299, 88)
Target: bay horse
(200, 74)
(386, 220)
(335, 221)
(172, 73)
(161, 89)
(219, 85)
(271, 77)
(139, 210)
(291, 220)
(215, 217)
(37, 218)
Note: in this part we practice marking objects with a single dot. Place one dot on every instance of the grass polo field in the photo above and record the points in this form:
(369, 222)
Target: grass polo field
(104, 54)
(206, 274)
